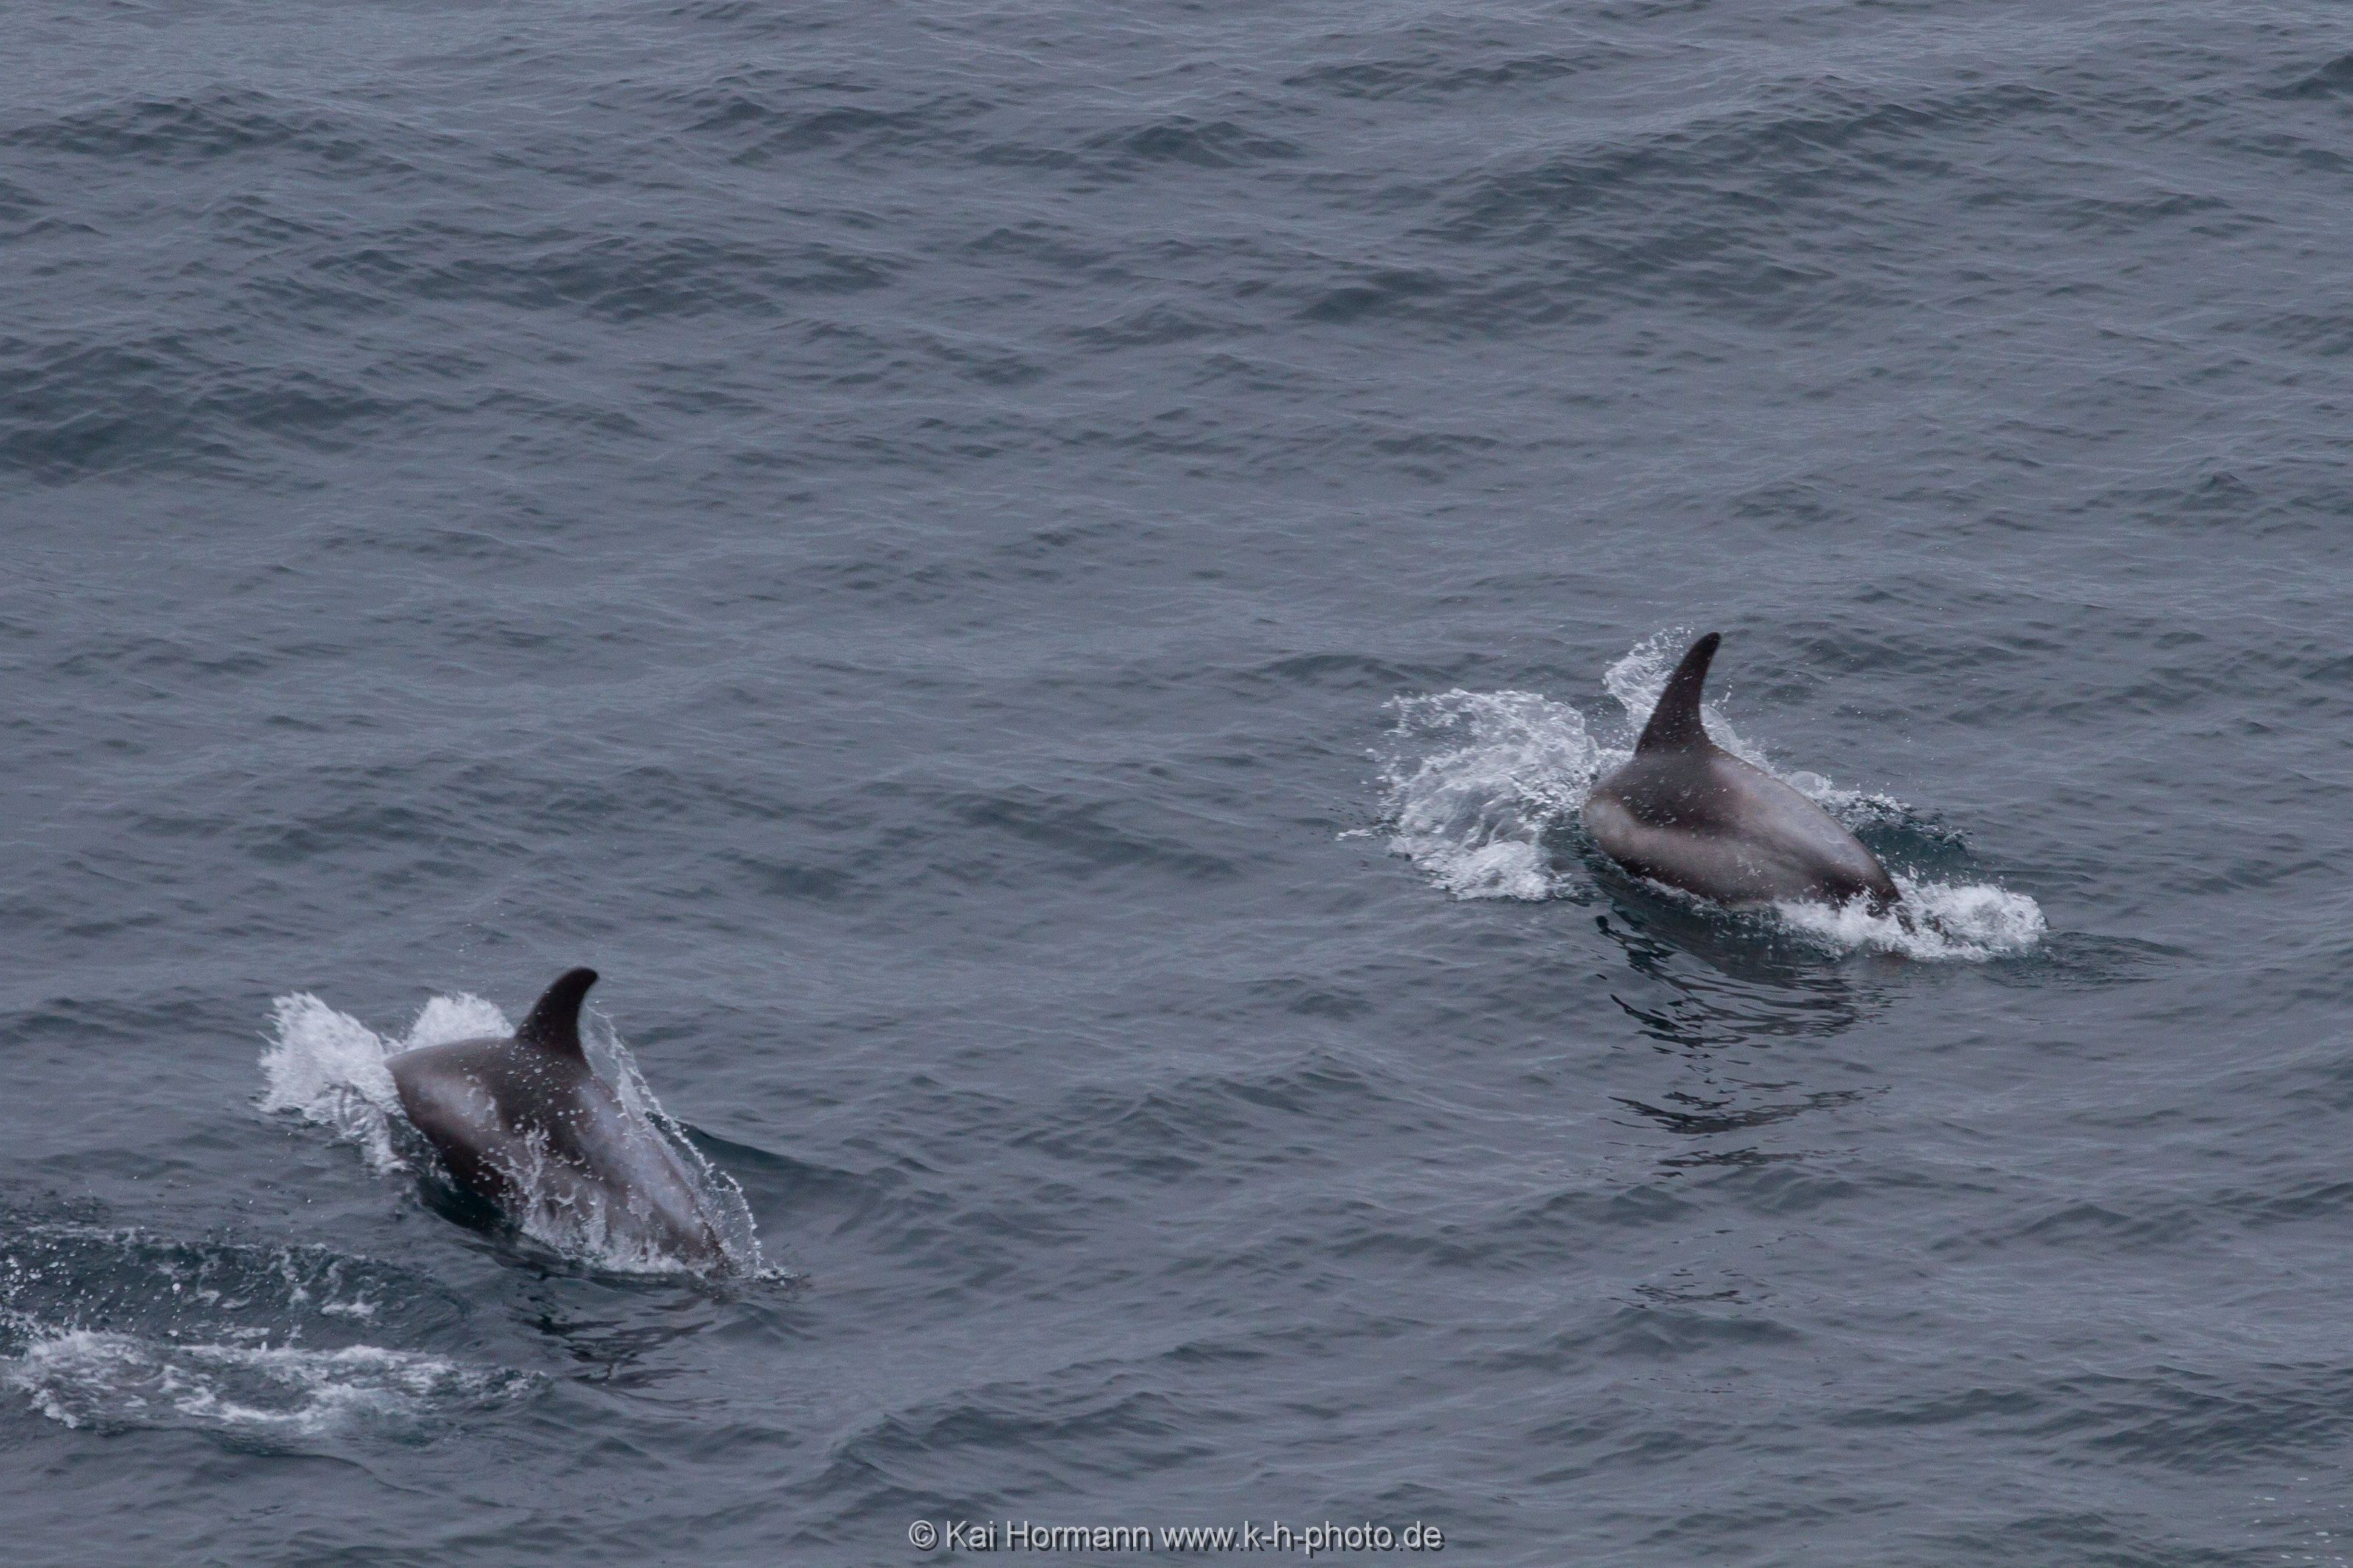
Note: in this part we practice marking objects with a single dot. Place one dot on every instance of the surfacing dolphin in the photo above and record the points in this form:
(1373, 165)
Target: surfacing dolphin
(525, 1122)
(1685, 812)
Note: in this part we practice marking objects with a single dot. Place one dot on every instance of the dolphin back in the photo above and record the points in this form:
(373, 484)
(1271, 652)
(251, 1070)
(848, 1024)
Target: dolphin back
(1685, 812)
(525, 1124)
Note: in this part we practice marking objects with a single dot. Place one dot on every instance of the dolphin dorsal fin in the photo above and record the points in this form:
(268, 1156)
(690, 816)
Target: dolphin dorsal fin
(554, 1023)
(1675, 723)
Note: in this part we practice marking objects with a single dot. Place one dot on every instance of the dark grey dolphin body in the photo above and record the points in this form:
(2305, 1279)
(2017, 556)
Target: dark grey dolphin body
(523, 1122)
(1685, 812)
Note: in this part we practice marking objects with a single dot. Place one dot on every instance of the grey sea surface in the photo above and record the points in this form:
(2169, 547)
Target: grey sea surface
(1038, 587)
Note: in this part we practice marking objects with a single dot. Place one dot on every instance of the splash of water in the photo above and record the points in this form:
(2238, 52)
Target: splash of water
(330, 1068)
(1507, 768)
(1971, 920)
(88, 1377)
(1476, 783)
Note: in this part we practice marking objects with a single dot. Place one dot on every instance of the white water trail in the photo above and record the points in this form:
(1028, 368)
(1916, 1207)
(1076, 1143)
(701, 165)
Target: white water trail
(87, 1377)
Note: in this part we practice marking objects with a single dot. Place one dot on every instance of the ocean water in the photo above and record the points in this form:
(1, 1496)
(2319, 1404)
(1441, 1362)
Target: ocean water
(1038, 587)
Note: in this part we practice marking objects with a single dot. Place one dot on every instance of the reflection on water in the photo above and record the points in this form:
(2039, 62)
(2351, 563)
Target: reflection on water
(1721, 988)
(1727, 1115)
(1722, 979)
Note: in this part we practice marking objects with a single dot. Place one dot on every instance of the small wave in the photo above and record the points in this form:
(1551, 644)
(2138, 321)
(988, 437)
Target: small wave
(332, 1069)
(1209, 144)
(1480, 787)
(108, 1380)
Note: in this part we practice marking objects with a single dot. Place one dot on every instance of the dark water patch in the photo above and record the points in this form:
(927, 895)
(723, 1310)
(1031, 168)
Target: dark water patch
(619, 278)
(787, 879)
(16, 202)
(2292, 1203)
(1317, 999)
(2137, 213)
(1728, 238)
(1376, 292)
(2206, 1423)
(1724, 979)
(2330, 81)
(1350, 672)
(752, 18)
(764, 115)
(1704, 1117)
(1040, 1430)
(360, 824)
(162, 405)
(1440, 70)
(776, 1179)
(779, 135)
(1162, 1135)
(1711, 1159)
(81, 1026)
(2090, 1224)
(1641, 1206)
(1781, 1189)
(1823, 139)
(1648, 1334)
(2195, 1420)
(1067, 249)
(1088, 837)
(227, 122)
(1151, 326)
(1183, 139)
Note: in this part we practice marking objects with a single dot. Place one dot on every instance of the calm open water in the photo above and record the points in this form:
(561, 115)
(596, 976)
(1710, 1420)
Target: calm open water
(1038, 587)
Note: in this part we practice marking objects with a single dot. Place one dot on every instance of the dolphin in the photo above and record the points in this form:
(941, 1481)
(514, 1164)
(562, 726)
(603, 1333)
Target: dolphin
(1685, 812)
(523, 1123)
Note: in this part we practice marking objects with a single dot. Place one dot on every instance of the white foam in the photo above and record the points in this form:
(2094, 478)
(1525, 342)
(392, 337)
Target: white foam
(445, 1020)
(330, 1068)
(1968, 921)
(1473, 782)
(86, 1377)
(1472, 814)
